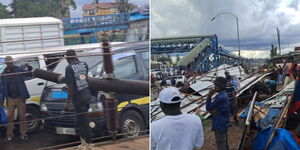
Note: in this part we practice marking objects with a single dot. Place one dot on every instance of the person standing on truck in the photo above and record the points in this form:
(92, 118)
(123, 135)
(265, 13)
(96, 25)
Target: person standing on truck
(177, 130)
(220, 110)
(16, 93)
(76, 78)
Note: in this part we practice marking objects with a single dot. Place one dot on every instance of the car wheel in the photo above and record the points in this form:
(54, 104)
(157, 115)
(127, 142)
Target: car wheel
(32, 113)
(132, 123)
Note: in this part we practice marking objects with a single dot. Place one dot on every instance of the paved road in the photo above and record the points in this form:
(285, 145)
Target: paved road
(36, 140)
(138, 143)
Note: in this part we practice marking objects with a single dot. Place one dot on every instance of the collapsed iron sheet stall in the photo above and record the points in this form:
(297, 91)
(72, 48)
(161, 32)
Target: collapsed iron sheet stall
(201, 86)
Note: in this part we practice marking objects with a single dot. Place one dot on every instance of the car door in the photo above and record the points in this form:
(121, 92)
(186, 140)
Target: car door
(126, 68)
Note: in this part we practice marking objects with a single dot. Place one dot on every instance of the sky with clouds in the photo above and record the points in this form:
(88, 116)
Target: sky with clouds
(258, 20)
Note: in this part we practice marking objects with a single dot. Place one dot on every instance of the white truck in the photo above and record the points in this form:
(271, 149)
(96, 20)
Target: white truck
(23, 34)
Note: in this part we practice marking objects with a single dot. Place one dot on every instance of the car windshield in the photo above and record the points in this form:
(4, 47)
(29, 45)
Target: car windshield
(2, 65)
(33, 63)
(94, 63)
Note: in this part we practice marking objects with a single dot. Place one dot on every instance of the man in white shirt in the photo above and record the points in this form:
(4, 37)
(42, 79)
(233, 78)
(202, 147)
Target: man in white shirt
(176, 131)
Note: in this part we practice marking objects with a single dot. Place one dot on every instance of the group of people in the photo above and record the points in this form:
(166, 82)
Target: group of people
(284, 73)
(178, 131)
(15, 93)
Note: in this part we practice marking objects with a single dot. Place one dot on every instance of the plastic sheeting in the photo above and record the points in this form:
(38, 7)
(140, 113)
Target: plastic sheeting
(283, 140)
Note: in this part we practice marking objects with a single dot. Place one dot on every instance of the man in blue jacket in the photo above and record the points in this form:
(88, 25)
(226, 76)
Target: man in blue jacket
(16, 93)
(220, 110)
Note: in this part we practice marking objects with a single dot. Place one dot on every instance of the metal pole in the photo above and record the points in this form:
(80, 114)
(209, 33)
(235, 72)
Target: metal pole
(237, 26)
(238, 36)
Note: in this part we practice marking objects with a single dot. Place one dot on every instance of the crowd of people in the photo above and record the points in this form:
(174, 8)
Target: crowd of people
(179, 131)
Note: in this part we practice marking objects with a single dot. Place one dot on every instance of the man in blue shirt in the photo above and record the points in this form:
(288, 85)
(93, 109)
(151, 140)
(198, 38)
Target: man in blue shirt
(272, 84)
(220, 110)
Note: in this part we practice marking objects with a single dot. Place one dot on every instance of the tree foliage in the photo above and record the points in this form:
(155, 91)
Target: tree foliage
(41, 8)
(273, 51)
(125, 6)
(4, 13)
(164, 59)
(177, 58)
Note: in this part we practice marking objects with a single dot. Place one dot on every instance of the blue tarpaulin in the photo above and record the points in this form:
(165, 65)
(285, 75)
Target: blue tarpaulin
(283, 140)
(3, 118)
(245, 113)
(269, 120)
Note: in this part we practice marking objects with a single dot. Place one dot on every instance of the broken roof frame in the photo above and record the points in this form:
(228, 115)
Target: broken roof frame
(190, 102)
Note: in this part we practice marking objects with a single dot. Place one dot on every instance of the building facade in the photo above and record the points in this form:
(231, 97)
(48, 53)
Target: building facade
(103, 9)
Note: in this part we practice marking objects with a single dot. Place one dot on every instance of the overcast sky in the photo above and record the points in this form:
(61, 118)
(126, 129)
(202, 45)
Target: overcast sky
(258, 20)
(80, 3)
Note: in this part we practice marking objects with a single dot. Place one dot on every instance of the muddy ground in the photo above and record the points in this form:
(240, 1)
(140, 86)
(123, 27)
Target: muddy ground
(234, 136)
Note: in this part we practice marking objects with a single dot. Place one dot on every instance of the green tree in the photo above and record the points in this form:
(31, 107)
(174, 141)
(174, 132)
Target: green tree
(164, 59)
(273, 51)
(177, 58)
(41, 8)
(4, 13)
(125, 6)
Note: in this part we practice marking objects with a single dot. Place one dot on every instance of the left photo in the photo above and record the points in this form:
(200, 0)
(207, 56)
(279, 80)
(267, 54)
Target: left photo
(74, 74)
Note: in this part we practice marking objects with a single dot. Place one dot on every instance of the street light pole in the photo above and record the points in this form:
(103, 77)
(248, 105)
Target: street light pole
(237, 28)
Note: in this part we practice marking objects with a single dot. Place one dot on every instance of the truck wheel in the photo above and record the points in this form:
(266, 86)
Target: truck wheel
(132, 123)
(33, 114)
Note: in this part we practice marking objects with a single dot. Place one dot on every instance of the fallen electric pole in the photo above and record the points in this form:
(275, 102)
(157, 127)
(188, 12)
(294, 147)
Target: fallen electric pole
(108, 84)
(112, 85)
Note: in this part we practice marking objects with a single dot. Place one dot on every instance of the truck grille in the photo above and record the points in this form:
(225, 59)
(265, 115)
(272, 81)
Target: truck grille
(67, 119)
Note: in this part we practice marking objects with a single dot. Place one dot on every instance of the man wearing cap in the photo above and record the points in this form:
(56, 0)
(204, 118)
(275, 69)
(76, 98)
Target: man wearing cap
(231, 93)
(76, 79)
(16, 93)
(176, 131)
(220, 110)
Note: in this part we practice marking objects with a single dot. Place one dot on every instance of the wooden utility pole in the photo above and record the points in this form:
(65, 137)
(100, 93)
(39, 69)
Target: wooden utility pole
(278, 37)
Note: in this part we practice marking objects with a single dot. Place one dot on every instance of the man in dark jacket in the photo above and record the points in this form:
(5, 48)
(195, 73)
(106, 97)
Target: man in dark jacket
(16, 93)
(220, 110)
(76, 79)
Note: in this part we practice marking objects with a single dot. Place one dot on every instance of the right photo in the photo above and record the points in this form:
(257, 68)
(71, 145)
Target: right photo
(225, 75)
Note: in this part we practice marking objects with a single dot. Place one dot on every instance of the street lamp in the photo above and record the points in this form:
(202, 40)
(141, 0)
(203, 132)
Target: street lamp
(237, 28)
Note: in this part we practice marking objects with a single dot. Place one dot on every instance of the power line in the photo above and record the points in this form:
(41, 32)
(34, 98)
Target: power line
(61, 38)
(64, 50)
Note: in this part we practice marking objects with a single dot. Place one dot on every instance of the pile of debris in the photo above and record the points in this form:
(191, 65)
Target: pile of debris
(195, 93)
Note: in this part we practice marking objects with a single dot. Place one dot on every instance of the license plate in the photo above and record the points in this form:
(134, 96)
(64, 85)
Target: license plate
(68, 131)
(59, 95)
